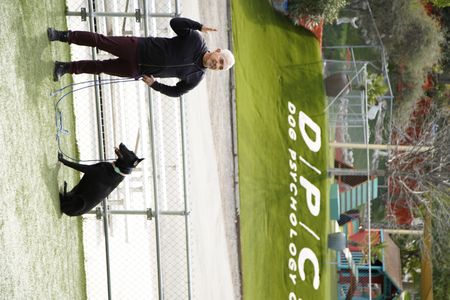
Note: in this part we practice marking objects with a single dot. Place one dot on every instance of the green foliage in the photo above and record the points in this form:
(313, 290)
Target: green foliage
(413, 42)
(328, 9)
(376, 87)
(376, 252)
(410, 255)
(441, 275)
(440, 3)
(376, 249)
(445, 21)
(441, 255)
(404, 296)
(441, 95)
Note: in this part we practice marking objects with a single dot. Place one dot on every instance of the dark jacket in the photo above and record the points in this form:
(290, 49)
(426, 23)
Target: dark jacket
(180, 56)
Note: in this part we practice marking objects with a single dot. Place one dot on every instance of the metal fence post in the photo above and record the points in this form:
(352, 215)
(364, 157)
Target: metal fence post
(155, 183)
(101, 154)
(100, 127)
(185, 193)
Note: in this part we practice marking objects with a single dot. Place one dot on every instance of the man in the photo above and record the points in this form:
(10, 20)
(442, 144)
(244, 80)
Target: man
(184, 56)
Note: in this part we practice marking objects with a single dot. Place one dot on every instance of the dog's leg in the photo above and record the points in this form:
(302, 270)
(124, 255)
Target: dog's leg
(78, 167)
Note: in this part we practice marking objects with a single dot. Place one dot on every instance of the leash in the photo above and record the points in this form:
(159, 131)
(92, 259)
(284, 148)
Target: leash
(60, 130)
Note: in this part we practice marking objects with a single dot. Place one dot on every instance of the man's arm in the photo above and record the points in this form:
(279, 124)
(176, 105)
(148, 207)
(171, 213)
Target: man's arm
(172, 91)
(182, 26)
(182, 87)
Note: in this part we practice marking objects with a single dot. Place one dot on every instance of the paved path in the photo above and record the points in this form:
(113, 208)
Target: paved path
(216, 270)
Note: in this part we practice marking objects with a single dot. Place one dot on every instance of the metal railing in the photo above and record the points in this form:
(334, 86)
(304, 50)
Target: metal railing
(357, 129)
(154, 265)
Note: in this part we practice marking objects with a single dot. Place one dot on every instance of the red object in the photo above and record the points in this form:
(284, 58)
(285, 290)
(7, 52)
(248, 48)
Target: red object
(311, 24)
(401, 211)
(428, 84)
(361, 238)
(428, 7)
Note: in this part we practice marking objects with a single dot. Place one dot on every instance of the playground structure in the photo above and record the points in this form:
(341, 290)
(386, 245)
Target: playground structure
(358, 128)
(385, 270)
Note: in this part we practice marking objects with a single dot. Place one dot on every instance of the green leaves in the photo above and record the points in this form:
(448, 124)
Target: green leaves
(327, 9)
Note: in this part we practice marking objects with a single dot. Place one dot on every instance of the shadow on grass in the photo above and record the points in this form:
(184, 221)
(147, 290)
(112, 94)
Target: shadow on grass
(261, 12)
(34, 69)
(49, 173)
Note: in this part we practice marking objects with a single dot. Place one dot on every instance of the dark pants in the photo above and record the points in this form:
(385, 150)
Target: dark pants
(125, 48)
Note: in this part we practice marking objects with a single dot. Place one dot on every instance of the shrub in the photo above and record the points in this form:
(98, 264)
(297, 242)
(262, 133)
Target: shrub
(413, 42)
(375, 88)
(440, 3)
(328, 9)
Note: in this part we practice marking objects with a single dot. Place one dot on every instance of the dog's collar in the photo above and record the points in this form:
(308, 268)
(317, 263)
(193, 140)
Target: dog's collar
(117, 170)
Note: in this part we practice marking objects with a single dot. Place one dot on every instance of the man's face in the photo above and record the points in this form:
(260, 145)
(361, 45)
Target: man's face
(215, 61)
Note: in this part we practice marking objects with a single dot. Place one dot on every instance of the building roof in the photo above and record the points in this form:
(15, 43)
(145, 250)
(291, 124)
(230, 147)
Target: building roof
(392, 262)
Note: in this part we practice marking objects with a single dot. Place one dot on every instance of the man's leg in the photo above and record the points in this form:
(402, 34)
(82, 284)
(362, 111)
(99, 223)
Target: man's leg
(116, 67)
(123, 47)
(120, 46)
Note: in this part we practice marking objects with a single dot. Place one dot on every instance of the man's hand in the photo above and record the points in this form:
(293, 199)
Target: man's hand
(207, 29)
(149, 80)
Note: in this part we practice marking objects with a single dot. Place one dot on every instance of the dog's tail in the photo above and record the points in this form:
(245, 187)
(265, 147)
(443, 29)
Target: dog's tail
(63, 193)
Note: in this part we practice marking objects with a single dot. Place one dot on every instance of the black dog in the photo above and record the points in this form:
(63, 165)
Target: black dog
(98, 182)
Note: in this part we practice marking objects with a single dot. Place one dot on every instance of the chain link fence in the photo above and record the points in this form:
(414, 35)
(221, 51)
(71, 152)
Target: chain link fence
(360, 108)
(136, 243)
(359, 90)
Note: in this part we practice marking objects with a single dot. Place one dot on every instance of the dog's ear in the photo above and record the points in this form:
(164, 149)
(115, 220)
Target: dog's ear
(138, 161)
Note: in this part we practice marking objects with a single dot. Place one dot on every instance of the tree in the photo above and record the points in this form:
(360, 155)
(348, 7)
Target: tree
(421, 177)
(420, 181)
(413, 41)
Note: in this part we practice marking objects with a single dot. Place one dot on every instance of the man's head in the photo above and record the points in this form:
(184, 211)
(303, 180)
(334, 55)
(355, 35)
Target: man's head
(219, 59)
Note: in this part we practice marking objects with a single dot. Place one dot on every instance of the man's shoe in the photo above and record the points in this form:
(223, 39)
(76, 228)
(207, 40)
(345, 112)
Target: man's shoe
(59, 70)
(56, 35)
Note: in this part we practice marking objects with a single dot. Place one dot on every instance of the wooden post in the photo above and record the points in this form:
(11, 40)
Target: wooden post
(380, 146)
(426, 278)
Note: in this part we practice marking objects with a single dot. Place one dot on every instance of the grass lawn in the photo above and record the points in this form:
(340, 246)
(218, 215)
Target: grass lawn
(282, 164)
(41, 250)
